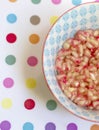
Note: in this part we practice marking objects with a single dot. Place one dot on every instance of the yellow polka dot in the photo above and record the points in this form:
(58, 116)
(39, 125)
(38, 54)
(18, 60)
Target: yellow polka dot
(53, 19)
(34, 38)
(31, 83)
(6, 103)
(12, 0)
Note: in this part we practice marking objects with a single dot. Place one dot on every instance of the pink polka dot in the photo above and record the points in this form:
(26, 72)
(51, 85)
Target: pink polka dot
(56, 1)
(32, 61)
(8, 82)
(97, 0)
(11, 38)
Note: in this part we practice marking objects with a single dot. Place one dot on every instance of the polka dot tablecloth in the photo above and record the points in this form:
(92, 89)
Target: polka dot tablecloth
(25, 100)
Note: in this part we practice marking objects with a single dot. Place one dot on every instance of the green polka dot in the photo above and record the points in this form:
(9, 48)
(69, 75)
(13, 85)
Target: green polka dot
(36, 1)
(51, 105)
(10, 59)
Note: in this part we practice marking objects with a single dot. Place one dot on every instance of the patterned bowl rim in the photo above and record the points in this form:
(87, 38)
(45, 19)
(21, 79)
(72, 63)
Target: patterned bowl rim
(79, 116)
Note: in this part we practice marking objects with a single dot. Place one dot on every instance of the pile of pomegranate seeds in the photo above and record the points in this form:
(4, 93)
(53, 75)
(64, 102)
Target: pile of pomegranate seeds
(77, 67)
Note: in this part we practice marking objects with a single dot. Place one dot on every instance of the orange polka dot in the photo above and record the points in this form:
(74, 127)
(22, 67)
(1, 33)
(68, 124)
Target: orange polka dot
(34, 38)
(94, 127)
(12, 0)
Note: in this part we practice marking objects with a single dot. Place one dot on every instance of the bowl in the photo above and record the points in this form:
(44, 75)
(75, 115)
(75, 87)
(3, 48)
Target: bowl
(81, 17)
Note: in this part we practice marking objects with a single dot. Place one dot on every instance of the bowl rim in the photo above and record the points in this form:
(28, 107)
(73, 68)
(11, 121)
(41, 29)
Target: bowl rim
(68, 10)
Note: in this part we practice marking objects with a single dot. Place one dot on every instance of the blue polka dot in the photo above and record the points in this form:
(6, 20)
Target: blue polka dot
(28, 126)
(76, 2)
(11, 18)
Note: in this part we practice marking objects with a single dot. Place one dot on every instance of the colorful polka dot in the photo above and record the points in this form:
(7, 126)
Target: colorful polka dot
(50, 126)
(56, 1)
(6, 103)
(76, 2)
(10, 59)
(36, 1)
(32, 61)
(28, 126)
(94, 127)
(31, 83)
(11, 18)
(5, 125)
(29, 104)
(71, 126)
(35, 19)
(12, 0)
(34, 38)
(8, 82)
(11, 37)
(51, 105)
(53, 19)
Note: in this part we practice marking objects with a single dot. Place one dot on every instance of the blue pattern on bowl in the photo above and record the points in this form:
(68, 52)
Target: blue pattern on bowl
(74, 14)
(84, 16)
(83, 11)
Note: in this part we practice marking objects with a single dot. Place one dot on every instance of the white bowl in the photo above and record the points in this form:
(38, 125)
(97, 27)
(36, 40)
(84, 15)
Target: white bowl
(84, 16)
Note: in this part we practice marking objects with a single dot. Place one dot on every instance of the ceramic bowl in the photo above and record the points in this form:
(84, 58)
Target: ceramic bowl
(84, 16)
